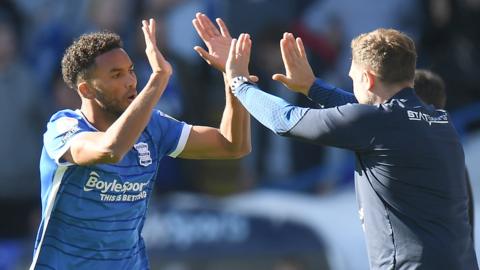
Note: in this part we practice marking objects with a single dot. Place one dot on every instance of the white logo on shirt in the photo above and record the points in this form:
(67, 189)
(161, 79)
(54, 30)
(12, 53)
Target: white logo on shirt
(144, 157)
(94, 183)
(65, 124)
(419, 116)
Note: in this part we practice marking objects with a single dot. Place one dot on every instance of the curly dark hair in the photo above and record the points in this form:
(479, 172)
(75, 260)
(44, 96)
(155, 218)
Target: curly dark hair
(80, 56)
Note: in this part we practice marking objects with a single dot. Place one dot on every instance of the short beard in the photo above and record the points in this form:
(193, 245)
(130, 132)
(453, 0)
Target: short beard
(109, 106)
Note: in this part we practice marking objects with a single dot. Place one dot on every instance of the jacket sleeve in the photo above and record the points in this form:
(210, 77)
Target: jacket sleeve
(350, 126)
(328, 96)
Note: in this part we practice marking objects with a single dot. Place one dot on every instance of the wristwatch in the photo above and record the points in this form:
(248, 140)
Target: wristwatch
(237, 81)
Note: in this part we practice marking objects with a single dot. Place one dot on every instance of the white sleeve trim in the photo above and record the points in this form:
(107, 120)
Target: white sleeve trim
(182, 141)
(62, 152)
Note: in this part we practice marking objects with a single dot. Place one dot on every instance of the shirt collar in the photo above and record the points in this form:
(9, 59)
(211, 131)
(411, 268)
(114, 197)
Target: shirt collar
(406, 95)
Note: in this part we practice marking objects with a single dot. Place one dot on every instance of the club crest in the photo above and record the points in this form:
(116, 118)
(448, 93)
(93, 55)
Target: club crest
(144, 157)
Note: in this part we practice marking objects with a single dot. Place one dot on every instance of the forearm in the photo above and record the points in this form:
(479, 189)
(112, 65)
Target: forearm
(124, 132)
(235, 124)
(273, 112)
(328, 95)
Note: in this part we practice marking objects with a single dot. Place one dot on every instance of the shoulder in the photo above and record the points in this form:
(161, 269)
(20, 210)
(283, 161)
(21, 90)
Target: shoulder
(159, 114)
(356, 112)
(66, 117)
(161, 119)
(162, 123)
(65, 113)
(68, 120)
(348, 115)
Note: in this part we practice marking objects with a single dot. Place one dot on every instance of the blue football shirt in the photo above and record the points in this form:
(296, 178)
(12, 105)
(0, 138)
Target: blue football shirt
(92, 216)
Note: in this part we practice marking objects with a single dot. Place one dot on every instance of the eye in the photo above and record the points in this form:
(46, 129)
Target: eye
(116, 75)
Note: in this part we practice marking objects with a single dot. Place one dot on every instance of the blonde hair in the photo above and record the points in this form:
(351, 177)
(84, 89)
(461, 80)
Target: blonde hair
(389, 53)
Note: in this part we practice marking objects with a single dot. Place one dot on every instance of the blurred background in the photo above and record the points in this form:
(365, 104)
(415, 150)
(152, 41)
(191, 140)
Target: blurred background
(288, 205)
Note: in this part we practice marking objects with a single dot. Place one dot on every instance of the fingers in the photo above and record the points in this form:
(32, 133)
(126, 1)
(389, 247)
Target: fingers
(239, 45)
(204, 54)
(284, 51)
(206, 26)
(301, 48)
(281, 78)
(253, 78)
(243, 46)
(232, 50)
(293, 51)
(247, 46)
(146, 33)
(223, 28)
(290, 45)
(238, 57)
(149, 29)
(153, 28)
(199, 28)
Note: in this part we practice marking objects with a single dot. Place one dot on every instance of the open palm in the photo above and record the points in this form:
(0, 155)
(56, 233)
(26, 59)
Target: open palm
(155, 57)
(218, 41)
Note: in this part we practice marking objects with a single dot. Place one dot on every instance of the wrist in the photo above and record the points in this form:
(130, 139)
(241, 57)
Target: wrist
(236, 81)
(161, 74)
(308, 85)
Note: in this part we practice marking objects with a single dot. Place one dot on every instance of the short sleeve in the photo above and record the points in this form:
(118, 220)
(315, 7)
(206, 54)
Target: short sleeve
(61, 129)
(170, 134)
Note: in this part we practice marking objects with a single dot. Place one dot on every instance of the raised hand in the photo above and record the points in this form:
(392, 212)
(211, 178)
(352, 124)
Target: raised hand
(299, 76)
(238, 57)
(217, 41)
(155, 57)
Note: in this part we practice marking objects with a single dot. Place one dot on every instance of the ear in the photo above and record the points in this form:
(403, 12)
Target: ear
(86, 91)
(371, 79)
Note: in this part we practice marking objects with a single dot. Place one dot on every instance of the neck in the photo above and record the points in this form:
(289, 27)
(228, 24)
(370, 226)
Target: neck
(98, 117)
(386, 92)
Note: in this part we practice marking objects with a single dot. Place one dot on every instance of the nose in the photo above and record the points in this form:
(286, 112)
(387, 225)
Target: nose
(132, 80)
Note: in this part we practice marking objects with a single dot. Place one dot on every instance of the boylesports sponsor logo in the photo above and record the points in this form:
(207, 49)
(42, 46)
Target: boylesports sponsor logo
(116, 190)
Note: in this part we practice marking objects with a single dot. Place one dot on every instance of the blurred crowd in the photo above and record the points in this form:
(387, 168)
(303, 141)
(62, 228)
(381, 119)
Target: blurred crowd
(34, 35)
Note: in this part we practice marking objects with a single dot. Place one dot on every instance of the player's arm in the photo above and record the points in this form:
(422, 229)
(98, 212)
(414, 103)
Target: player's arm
(217, 40)
(340, 126)
(299, 76)
(328, 95)
(230, 140)
(110, 146)
(348, 126)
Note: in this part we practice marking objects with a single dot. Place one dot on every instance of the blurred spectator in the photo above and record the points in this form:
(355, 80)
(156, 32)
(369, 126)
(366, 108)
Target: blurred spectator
(451, 47)
(115, 16)
(261, 14)
(275, 158)
(51, 26)
(63, 96)
(271, 155)
(22, 114)
(187, 90)
(337, 22)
